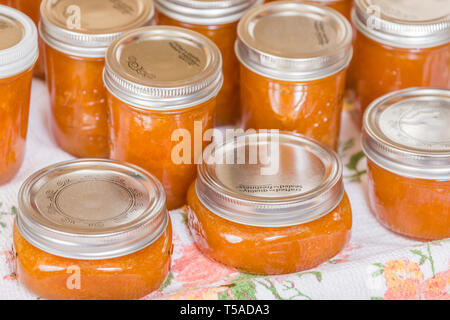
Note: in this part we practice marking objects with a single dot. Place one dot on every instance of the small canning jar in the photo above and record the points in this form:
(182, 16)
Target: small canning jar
(406, 138)
(343, 6)
(18, 55)
(162, 84)
(218, 21)
(32, 9)
(92, 229)
(293, 80)
(398, 45)
(280, 209)
(77, 34)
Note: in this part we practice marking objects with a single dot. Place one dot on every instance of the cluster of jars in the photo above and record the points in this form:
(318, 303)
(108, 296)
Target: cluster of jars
(132, 81)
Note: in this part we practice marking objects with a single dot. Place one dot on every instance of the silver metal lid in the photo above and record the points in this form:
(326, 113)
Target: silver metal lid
(86, 28)
(206, 12)
(18, 42)
(294, 41)
(404, 24)
(408, 132)
(163, 68)
(276, 179)
(91, 209)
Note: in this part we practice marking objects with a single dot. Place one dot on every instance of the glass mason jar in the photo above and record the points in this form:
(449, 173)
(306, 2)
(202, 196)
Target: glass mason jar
(280, 209)
(399, 45)
(92, 229)
(77, 34)
(293, 80)
(162, 85)
(406, 139)
(32, 9)
(343, 6)
(218, 21)
(18, 55)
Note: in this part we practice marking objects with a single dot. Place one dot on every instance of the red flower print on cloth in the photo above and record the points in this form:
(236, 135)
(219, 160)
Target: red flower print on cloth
(437, 288)
(194, 269)
(403, 280)
(10, 259)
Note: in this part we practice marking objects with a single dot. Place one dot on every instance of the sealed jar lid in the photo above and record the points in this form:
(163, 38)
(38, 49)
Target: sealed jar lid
(404, 24)
(18, 42)
(163, 68)
(408, 132)
(270, 179)
(294, 41)
(91, 209)
(205, 12)
(86, 28)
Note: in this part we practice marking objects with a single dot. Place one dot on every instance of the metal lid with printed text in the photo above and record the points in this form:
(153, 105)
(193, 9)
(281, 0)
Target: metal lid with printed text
(91, 209)
(404, 24)
(86, 28)
(407, 132)
(294, 41)
(163, 68)
(18, 42)
(206, 12)
(270, 179)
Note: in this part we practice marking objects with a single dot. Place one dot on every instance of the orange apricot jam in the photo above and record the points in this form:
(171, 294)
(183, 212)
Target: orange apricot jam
(162, 85)
(297, 85)
(407, 142)
(342, 6)
(407, 46)
(18, 54)
(220, 25)
(75, 58)
(281, 214)
(32, 9)
(108, 238)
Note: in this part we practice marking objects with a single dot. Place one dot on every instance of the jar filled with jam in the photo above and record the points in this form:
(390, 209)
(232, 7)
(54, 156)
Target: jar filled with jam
(162, 85)
(32, 9)
(343, 6)
(399, 44)
(279, 207)
(218, 21)
(406, 138)
(77, 34)
(18, 55)
(292, 80)
(92, 230)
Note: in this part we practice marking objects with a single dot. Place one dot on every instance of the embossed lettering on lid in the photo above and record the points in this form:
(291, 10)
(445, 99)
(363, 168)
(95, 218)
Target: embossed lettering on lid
(408, 132)
(163, 67)
(18, 42)
(86, 27)
(91, 209)
(408, 24)
(270, 179)
(294, 41)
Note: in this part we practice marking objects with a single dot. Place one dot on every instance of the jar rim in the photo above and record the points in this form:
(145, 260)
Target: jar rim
(381, 23)
(195, 73)
(74, 39)
(120, 209)
(395, 139)
(328, 52)
(294, 195)
(22, 55)
(205, 12)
